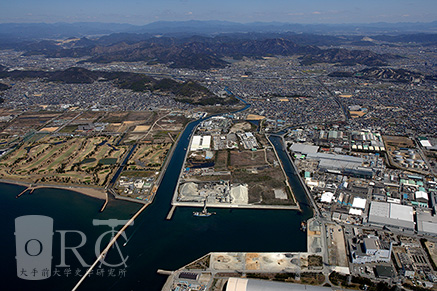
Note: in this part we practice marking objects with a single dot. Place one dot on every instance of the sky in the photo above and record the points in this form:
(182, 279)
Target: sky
(140, 12)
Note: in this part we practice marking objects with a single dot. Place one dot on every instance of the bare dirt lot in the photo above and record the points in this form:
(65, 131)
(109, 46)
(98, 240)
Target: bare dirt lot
(241, 127)
(336, 245)
(247, 158)
(221, 160)
(141, 116)
(398, 141)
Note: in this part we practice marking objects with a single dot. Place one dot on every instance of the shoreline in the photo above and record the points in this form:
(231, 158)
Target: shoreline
(98, 193)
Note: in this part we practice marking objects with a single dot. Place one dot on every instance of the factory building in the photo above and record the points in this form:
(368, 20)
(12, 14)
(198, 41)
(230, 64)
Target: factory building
(426, 223)
(341, 164)
(201, 143)
(370, 249)
(391, 215)
(304, 148)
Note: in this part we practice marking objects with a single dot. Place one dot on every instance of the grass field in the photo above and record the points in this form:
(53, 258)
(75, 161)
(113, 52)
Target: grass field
(63, 159)
(149, 156)
(68, 129)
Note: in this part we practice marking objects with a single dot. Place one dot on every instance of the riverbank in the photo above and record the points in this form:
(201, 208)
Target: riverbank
(176, 190)
(302, 182)
(99, 193)
(283, 171)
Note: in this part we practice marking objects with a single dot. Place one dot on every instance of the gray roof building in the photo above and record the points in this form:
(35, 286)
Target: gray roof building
(391, 214)
(426, 223)
(304, 148)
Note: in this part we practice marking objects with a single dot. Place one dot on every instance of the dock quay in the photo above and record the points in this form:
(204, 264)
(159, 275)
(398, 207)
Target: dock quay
(170, 213)
(164, 272)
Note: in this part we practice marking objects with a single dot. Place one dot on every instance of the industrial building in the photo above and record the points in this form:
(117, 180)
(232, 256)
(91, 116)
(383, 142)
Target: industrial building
(248, 140)
(327, 197)
(304, 148)
(391, 215)
(201, 143)
(405, 263)
(370, 249)
(341, 164)
(426, 223)
(359, 203)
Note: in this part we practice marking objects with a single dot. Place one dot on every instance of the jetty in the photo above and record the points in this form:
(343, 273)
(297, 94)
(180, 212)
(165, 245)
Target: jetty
(30, 189)
(108, 247)
(170, 213)
(106, 202)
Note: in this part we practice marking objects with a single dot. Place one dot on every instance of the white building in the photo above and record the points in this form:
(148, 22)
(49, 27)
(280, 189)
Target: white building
(370, 250)
(327, 197)
(200, 143)
(359, 203)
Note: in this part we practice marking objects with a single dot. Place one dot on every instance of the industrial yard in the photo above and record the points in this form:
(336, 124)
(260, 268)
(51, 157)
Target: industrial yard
(224, 167)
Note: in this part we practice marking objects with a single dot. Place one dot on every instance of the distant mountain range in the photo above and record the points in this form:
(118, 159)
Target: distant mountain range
(388, 74)
(199, 52)
(205, 44)
(32, 31)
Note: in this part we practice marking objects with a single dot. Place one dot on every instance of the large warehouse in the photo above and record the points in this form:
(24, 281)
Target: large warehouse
(242, 284)
(391, 214)
(200, 143)
(342, 164)
(426, 223)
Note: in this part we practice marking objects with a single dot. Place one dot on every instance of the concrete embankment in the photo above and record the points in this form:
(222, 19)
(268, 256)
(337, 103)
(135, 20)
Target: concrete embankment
(240, 206)
(285, 174)
(302, 182)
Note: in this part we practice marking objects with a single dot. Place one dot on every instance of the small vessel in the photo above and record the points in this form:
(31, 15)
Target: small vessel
(204, 212)
(303, 226)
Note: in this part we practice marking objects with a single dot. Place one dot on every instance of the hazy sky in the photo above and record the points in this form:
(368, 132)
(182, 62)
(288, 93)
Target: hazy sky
(146, 11)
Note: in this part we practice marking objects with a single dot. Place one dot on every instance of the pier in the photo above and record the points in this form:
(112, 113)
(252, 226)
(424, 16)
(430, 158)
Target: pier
(170, 213)
(106, 202)
(30, 189)
(164, 272)
(108, 247)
